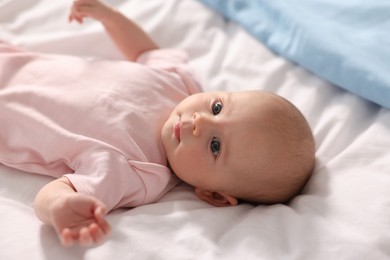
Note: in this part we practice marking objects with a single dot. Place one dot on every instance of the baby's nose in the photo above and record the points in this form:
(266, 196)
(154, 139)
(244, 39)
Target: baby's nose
(201, 123)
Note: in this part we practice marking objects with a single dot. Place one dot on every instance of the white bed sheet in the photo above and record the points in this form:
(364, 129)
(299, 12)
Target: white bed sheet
(343, 213)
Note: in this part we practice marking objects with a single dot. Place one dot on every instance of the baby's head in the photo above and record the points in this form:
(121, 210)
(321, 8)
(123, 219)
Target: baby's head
(253, 146)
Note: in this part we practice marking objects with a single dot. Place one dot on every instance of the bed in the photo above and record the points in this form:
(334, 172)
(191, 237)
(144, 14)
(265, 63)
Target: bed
(343, 211)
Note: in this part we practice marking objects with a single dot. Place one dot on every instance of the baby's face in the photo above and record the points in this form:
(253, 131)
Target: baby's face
(209, 136)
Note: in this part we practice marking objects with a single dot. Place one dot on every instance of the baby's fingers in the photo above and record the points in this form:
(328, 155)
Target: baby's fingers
(75, 15)
(104, 226)
(85, 237)
(98, 235)
(67, 237)
(100, 211)
(93, 234)
(92, 9)
(78, 18)
(79, 11)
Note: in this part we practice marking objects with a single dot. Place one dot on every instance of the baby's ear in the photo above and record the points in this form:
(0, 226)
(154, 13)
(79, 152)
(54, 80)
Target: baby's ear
(216, 198)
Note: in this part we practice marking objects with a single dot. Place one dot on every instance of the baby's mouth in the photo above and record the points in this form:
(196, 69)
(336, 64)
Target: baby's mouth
(176, 130)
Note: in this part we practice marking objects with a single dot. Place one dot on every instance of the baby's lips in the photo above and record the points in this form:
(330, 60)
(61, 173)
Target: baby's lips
(176, 130)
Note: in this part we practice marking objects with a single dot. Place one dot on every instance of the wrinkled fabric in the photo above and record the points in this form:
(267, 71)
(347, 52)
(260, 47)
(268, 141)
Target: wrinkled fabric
(95, 122)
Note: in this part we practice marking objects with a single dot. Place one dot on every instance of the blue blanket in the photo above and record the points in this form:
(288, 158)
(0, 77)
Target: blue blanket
(346, 42)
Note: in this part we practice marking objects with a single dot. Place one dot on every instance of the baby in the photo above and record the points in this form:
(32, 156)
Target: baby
(113, 137)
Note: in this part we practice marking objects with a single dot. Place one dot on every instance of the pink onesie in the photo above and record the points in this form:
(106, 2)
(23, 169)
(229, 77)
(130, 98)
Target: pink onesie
(96, 122)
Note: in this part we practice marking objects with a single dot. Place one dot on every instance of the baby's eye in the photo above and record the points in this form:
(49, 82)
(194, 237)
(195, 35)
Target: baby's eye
(217, 107)
(215, 146)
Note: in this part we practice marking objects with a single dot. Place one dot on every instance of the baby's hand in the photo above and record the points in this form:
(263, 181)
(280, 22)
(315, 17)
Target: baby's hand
(79, 218)
(89, 8)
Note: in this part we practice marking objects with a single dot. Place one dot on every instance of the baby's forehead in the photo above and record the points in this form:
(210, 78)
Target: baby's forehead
(254, 102)
(258, 119)
(247, 144)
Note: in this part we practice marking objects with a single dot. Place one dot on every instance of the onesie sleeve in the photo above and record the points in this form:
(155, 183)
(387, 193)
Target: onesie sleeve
(175, 61)
(107, 175)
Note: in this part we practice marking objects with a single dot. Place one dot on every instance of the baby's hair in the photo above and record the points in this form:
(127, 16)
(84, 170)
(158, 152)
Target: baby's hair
(289, 166)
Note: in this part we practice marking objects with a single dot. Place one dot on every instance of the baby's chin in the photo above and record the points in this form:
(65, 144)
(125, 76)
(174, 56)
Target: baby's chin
(165, 134)
(167, 138)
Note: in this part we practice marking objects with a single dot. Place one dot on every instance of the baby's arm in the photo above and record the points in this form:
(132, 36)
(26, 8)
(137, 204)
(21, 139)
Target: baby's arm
(77, 218)
(128, 36)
